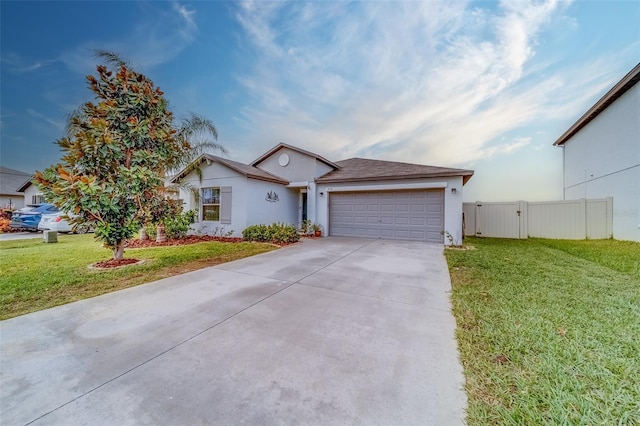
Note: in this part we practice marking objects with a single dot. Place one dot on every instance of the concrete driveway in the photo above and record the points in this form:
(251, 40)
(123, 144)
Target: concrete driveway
(329, 331)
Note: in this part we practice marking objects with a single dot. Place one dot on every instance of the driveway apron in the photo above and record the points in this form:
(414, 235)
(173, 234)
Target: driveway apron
(328, 331)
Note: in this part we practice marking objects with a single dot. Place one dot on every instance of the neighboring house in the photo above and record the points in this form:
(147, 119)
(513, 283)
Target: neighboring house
(10, 181)
(601, 155)
(356, 197)
(32, 194)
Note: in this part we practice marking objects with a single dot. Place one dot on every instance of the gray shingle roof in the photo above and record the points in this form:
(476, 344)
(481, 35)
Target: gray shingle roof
(11, 180)
(244, 169)
(363, 170)
(351, 170)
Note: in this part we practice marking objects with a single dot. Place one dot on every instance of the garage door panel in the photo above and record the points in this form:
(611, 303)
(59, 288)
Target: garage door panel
(405, 215)
(434, 236)
(402, 235)
(418, 221)
(372, 232)
(402, 221)
(359, 220)
(384, 233)
(373, 220)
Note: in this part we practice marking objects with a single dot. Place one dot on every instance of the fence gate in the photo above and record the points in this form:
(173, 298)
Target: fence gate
(500, 220)
(568, 219)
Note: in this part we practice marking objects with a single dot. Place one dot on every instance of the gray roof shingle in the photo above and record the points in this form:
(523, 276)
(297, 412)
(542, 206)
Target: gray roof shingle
(243, 169)
(351, 170)
(364, 170)
(11, 180)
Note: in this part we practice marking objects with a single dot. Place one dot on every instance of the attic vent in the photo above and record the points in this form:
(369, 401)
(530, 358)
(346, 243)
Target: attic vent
(283, 160)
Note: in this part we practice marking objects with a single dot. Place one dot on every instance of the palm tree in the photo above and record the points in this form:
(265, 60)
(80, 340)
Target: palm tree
(198, 135)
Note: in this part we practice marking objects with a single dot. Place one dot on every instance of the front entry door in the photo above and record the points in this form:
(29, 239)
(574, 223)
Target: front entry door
(303, 206)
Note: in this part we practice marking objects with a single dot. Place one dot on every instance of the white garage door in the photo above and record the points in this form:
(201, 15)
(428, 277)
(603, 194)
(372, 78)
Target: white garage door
(402, 215)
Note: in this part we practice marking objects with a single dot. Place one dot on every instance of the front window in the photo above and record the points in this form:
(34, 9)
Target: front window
(211, 204)
(37, 199)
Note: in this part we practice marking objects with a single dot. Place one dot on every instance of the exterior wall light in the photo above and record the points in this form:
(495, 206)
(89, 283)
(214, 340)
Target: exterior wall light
(321, 194)
(454, 190)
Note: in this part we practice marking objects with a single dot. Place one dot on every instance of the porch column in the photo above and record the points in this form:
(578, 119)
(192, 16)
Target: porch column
(312, 213)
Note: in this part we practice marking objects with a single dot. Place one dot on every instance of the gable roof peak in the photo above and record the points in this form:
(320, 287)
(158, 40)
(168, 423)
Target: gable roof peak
(282, 145)
(241, 168)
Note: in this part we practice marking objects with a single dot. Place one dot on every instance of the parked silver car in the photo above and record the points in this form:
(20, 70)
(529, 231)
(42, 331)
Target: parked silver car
(58, 222)
(29, 218)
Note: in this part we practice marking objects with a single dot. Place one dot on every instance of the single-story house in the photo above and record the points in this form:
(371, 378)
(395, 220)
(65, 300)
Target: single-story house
(357, 197)
(11, 181)
(32, 193)
(601, 155)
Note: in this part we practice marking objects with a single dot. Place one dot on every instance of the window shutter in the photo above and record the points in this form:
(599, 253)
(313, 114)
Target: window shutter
(225, 205)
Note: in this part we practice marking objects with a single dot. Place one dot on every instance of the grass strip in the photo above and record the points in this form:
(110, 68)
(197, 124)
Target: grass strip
(35, 276)
(549, 330)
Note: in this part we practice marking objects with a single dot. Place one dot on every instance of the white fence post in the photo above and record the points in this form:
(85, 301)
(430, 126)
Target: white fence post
(523, 214)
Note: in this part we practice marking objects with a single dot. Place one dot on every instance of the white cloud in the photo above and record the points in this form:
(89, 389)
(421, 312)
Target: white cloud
(58, 124)
(157, 38)
(17, 64)
(432, 82)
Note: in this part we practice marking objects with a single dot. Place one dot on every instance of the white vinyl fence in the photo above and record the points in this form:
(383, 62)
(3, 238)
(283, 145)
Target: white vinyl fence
(571, 220)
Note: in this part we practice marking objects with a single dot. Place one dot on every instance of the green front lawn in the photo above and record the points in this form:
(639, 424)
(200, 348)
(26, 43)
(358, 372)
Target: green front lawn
(549, 330)
(35, 276)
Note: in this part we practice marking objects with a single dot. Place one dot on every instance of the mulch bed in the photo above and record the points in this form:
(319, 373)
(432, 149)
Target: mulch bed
(113, 263)
(190, 239)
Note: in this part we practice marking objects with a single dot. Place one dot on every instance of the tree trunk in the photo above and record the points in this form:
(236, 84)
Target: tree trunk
(161, 234)
(143, 234)
(118, 251)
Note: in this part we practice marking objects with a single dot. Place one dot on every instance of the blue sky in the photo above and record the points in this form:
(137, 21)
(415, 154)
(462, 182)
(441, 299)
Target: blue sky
(482, 85)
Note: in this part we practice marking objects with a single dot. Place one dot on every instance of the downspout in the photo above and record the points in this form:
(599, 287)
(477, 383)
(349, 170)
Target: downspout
(564, 168)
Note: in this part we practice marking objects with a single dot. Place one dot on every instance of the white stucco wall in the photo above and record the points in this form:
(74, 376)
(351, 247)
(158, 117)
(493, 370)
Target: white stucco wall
(249, 204)
(13, 202)
(603, 160)
(452, 202)
(301, 167)
(262, 211)
(30, 192)
(217, 175)
(626, 200)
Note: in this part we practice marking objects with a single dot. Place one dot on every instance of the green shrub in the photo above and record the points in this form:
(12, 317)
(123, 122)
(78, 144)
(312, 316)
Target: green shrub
(175, 227)
(277, 233)
(178, 226)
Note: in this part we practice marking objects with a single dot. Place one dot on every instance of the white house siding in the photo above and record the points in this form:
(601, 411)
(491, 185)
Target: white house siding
(32, 193)
(218, 175)
(603, 159)
(261, 210)
(299, 169)
(624, 187)
(12, 202)
(452, 202)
